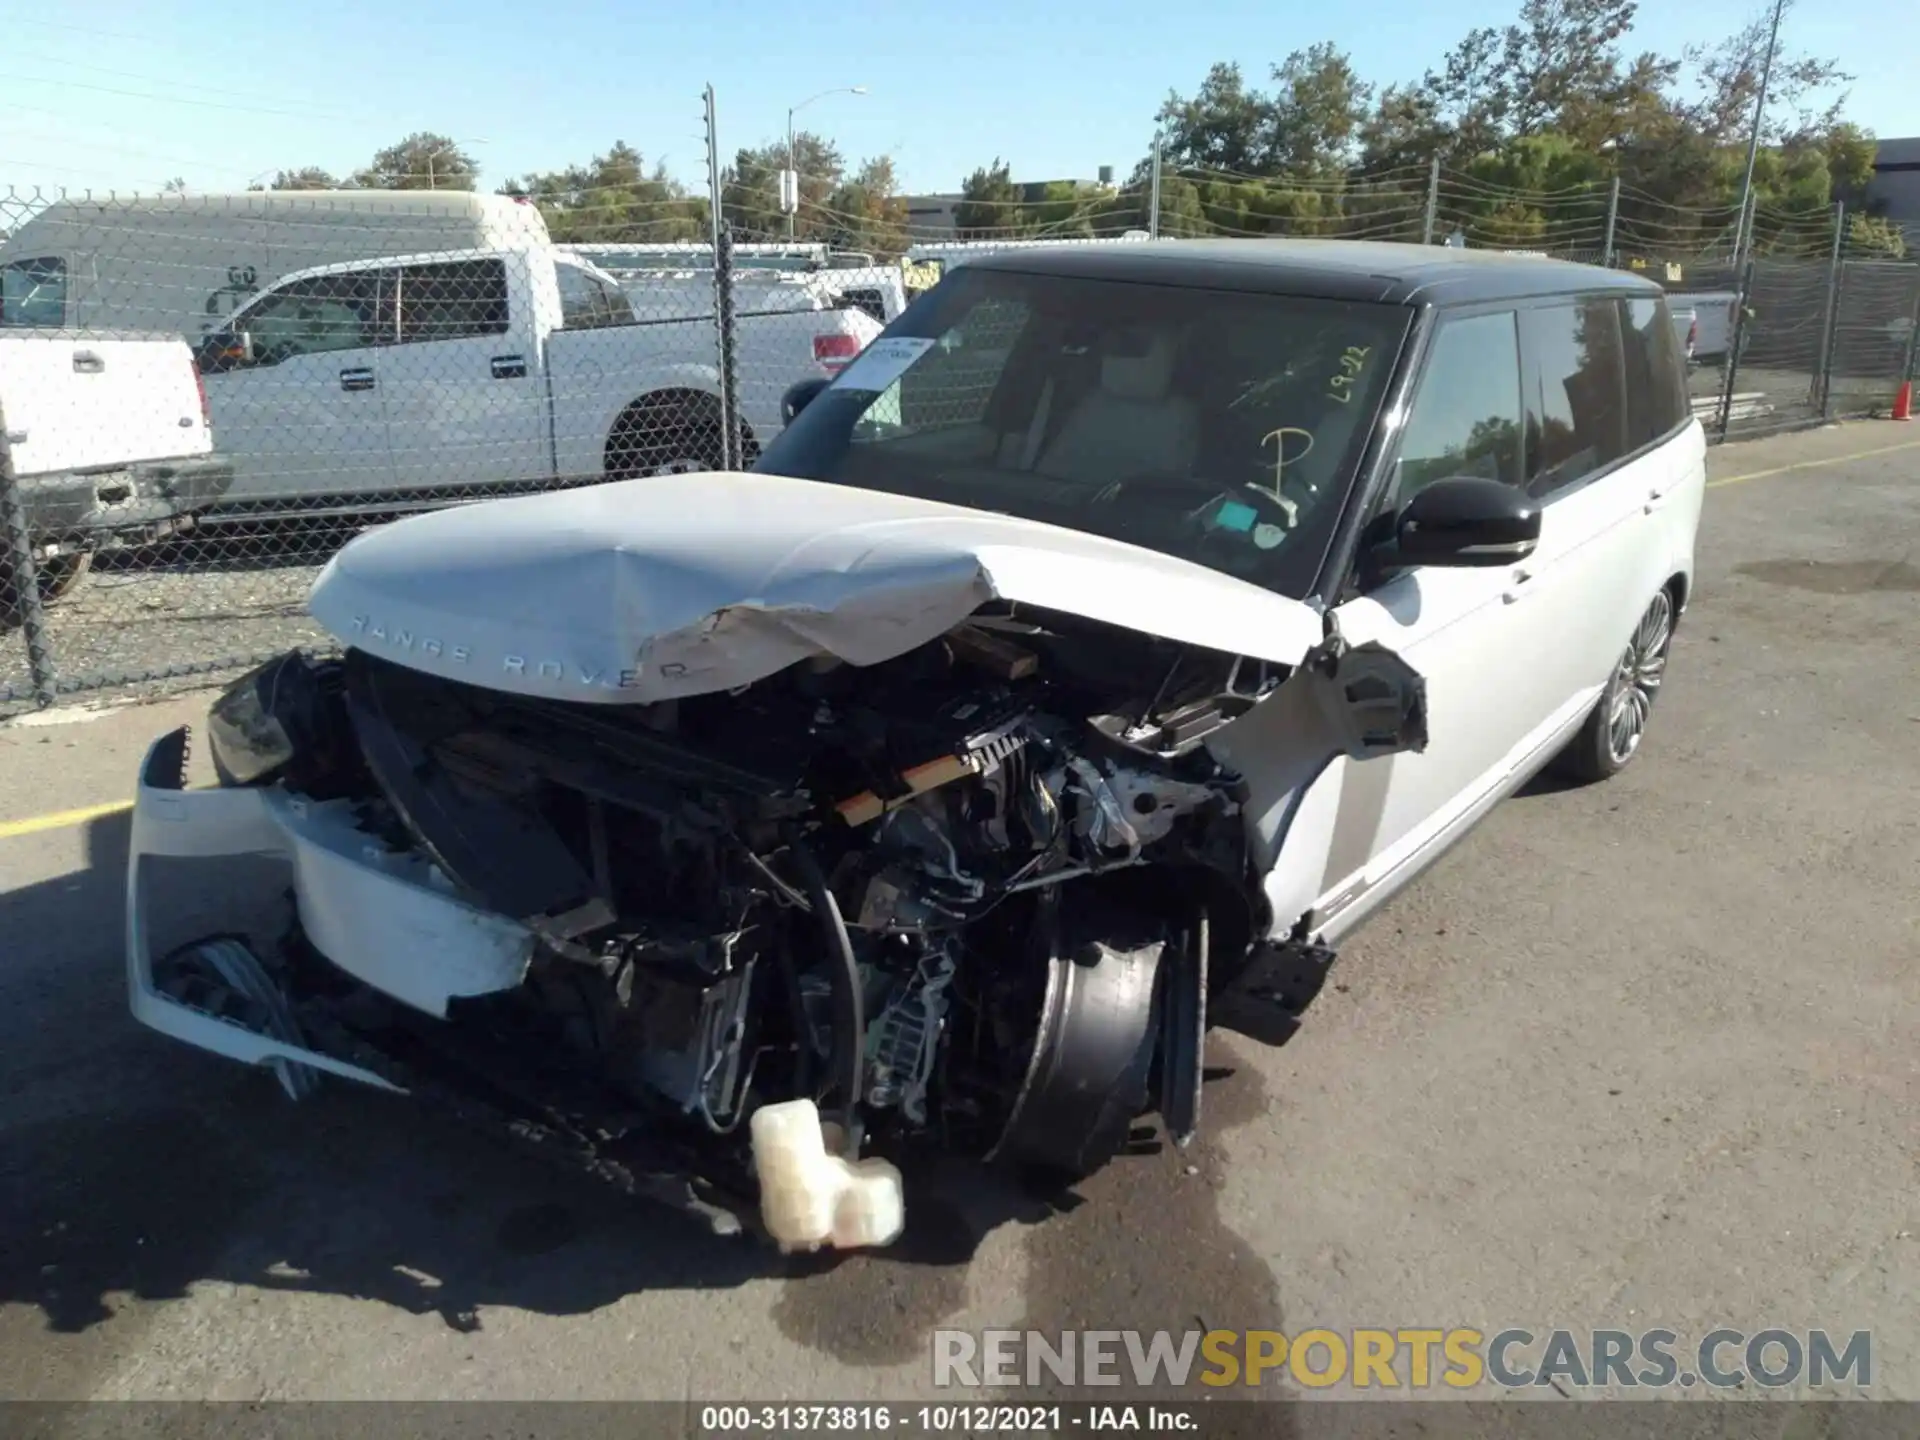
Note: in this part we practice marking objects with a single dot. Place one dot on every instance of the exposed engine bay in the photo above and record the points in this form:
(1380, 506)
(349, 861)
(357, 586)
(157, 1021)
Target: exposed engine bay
(985, 897)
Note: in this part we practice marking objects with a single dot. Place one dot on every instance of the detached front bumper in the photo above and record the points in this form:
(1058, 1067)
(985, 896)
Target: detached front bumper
(138, 501)
(387, 919)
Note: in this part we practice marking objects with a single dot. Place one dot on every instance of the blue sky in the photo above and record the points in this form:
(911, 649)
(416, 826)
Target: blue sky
(119, 94)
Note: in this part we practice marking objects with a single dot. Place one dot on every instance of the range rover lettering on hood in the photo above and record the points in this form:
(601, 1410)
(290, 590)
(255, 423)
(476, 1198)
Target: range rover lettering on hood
(671, 586)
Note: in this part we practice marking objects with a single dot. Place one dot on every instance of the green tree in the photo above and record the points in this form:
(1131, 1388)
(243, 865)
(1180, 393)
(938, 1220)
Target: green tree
(422, 161)
(1531, 122)
(751, 191)
(1225, 126)
(989, 203)
(613, 197)
(1872, 236)
(1470, 96)
(1560, 65)
(1403, 131)
(867, 212)
(1540, 191)
(1850, 150)
(1315, 116)
(307, 177)
(1183, 214)
(1727, 76)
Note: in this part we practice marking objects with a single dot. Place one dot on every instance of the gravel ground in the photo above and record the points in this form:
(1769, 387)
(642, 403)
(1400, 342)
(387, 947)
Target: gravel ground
(192, 605)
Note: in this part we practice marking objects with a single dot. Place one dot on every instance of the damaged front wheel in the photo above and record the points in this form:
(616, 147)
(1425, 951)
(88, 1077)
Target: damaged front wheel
(1092, 1058)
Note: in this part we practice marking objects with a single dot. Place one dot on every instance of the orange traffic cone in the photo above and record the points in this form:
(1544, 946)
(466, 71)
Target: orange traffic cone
(1903, 401)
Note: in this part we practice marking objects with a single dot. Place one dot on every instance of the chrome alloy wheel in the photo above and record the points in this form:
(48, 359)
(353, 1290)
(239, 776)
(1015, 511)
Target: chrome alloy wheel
(1636, 679)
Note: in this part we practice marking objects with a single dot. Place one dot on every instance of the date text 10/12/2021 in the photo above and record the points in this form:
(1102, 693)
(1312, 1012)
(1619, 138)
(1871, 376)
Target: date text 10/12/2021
(946, 1418)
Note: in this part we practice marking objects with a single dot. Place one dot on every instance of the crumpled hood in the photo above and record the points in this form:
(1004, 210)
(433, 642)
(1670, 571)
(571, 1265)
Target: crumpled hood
(666, 586)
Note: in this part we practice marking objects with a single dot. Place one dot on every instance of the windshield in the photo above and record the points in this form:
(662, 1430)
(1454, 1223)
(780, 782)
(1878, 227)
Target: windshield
(1219, 426)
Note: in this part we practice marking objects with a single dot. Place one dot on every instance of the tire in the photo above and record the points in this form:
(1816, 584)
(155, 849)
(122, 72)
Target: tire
(1611, 736)
(58, 577)
(674, 435)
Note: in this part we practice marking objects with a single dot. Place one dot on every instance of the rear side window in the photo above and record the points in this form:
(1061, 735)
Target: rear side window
(1465, 421)
(586, 301)
(1657, 400)
(871, 301)
(453, 300)
(1576, 392)
(34, 292)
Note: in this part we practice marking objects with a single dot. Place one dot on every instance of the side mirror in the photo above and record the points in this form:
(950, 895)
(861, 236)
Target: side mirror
(1467, 522)
(800, 394)
(226, 351)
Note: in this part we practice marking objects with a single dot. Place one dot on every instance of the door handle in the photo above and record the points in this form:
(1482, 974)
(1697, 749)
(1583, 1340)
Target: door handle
(1655, 498)
(86, 362)
(509, 367)
(356, 379)
(1516, 585)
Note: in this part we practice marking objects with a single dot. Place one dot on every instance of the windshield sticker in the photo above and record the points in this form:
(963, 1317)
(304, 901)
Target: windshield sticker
(1268, 535)
(1232, 515)
(883, 362)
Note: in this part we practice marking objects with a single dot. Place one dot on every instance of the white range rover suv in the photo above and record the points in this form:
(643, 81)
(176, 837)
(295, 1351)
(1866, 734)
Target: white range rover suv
(1071, 675)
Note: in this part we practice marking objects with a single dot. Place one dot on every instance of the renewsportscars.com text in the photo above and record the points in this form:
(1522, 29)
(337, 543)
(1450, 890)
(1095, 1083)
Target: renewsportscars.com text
(1413, 1358)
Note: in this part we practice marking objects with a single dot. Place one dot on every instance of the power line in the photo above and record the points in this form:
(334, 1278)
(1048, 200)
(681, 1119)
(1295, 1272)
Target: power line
(85, 30)
(65, 63)
(171, 99)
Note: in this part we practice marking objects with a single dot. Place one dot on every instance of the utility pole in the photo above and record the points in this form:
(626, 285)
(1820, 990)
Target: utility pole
(1742, 234)
(452, 147)
(1433, 202)
(1153, 193)
(1613, 221)
(790, 179)
(723, 328)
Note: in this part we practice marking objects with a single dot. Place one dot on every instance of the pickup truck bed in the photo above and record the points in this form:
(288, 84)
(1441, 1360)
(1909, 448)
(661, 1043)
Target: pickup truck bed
(105, 440)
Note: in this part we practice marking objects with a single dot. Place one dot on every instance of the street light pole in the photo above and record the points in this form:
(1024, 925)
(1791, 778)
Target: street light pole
(792, 176)
(1742, 233)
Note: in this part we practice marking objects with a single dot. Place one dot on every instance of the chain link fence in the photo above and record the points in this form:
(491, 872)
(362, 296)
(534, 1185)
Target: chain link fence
(204, 397)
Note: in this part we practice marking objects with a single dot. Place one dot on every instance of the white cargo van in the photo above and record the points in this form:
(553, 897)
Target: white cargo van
(181, 264)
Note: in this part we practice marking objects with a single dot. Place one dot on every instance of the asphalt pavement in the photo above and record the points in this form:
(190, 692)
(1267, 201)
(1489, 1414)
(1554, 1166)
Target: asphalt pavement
(1646, 1054)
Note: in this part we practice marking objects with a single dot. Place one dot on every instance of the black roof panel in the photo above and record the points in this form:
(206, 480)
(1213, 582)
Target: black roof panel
(1336, 269)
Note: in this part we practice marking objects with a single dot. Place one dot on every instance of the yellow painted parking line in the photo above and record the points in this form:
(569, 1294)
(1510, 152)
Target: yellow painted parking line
(1812, 464)
(60, 819)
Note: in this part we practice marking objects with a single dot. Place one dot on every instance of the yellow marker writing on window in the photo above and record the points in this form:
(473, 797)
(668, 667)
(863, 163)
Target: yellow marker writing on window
(1340, 386)
(1281, 458)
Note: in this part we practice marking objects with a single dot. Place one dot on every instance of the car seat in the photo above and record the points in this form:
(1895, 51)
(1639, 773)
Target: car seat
(1131, 424)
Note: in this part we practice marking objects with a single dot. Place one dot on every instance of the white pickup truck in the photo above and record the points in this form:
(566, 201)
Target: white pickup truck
(1714, 316)
(395, 384)
(107, 441)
